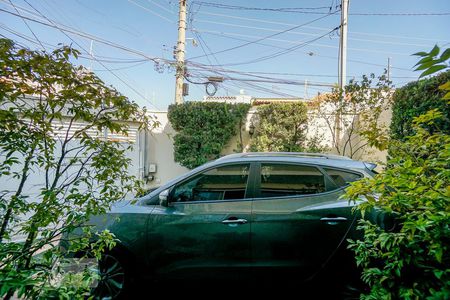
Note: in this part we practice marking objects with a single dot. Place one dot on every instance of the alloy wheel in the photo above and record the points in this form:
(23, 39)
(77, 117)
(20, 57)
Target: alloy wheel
(111, 279)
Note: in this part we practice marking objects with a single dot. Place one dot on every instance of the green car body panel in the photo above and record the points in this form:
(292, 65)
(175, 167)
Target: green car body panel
(250, 235)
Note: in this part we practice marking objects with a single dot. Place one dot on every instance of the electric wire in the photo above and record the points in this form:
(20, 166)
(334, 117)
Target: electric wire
(91, 37)
(306, 52)
(317, 28)
(151, 11)
(160, 6)
(26, 24)
(101, 63)
(279, 53)
(267, 37)
(303, 10)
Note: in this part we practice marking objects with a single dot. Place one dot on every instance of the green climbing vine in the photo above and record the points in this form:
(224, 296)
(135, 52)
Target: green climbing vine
(203, 129)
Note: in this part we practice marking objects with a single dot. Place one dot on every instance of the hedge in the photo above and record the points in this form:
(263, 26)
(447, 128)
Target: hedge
(416, 98)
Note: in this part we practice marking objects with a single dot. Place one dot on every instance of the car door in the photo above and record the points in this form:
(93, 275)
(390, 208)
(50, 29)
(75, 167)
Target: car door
(205, 230)
(298, 219)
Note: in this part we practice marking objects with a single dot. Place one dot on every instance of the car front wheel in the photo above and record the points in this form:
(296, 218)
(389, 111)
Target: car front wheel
(114, 277)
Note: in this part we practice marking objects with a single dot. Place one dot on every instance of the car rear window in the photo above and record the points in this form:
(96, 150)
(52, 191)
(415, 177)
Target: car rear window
(342, 178)
(279, 180)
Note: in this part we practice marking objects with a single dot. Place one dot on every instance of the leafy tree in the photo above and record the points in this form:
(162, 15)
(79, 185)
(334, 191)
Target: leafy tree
(353, 115)
(203, 129)
(53, 116)
(410, 260)
(283, 127)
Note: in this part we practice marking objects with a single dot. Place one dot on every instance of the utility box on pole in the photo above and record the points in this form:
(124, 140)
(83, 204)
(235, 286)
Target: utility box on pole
(180, 54)
(185, 89)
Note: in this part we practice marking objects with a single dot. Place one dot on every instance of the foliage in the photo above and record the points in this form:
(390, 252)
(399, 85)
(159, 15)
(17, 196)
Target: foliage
(431, 62)
(282, 127)
(412, 260)
(417, 98)
(203, 129)
(353, 115)
(53, 116)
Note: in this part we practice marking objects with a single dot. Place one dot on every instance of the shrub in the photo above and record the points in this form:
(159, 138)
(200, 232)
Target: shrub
(411, 260)
(417, 98)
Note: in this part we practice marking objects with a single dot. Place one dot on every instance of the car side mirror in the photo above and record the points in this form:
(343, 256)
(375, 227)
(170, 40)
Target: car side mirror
(164, 198)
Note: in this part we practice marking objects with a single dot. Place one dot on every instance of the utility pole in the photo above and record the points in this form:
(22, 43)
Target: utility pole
(389, 69)
(342, 68)
(343, 44)
(180, 52)
(306, 89)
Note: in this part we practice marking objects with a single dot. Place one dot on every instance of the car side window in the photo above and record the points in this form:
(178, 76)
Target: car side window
(222, 183)
(279, 180)
(342, 178)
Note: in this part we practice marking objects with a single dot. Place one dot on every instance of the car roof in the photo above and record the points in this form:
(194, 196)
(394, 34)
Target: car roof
(321, 159)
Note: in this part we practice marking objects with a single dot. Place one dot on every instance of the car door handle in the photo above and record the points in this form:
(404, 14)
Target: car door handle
(333, 220)
(234, 221)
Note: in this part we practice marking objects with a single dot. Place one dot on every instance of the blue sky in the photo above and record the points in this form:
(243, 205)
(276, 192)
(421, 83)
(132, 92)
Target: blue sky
(147, 29)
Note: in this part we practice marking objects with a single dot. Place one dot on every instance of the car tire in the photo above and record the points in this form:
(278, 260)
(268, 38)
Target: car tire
(116, 276)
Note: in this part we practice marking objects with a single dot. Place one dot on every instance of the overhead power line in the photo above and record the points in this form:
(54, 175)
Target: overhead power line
(314, 27)
(151, 11)
(290, 31)
(221, 34)
(282, 52)
(101, 63)
(161, 6)
(401, 14)
(301, 10)
(267, 37)
(231, 35)
(90, 37)
(26, 24)
(308, 10)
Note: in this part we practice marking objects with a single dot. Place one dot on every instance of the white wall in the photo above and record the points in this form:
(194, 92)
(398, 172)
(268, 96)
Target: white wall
(160, 152)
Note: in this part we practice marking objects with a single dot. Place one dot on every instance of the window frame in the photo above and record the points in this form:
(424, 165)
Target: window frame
(248, 188)
(330, 185)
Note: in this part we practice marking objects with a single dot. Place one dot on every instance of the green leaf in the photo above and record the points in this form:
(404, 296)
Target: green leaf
(424, 60)
(434, 51)
(433, 69)
(425, 65)
(445, 86)
(438, 273)
(445, 55)
(438, 254)
(421, 54)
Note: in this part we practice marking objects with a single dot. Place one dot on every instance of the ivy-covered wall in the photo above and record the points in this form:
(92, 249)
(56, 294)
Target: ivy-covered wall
(416, 98)
(203, 129)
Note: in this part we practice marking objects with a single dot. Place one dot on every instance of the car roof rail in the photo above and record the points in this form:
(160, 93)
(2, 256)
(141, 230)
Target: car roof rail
(288, 154)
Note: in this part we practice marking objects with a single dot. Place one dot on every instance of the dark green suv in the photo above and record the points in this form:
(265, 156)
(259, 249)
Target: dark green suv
(247, 214)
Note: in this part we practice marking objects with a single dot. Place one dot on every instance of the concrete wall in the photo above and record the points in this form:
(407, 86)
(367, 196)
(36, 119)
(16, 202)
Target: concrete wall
(160, 152)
